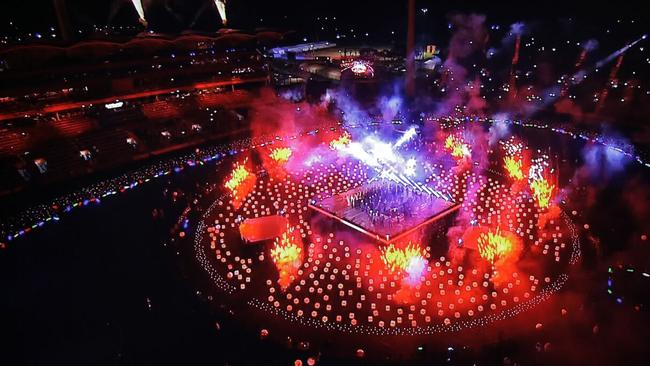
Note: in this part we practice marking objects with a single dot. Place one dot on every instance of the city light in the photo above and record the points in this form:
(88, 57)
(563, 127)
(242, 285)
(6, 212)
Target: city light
(361, 68)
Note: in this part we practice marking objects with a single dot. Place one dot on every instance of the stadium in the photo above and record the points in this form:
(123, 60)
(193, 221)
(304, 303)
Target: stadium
(330, 183)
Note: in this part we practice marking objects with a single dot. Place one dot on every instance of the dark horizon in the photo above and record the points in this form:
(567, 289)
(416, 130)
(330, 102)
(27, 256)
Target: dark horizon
(176, 16)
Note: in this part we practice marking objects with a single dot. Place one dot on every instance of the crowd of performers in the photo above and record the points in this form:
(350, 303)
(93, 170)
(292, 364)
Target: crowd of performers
(387, 203)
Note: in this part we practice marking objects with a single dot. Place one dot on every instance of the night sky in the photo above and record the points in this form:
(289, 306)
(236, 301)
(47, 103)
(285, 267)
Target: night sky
(176, 15)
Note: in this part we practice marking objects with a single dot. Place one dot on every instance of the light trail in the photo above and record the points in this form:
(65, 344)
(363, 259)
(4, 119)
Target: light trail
(221, 8)
(137, 4)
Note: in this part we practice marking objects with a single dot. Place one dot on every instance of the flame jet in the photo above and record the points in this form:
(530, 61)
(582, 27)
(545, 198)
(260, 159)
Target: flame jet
(618, 55)
(611, 80)
(550, 95)
(516, 29)
(587, 47)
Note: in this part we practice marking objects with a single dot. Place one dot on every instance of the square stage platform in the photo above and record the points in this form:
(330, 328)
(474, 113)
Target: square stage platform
(384, 211)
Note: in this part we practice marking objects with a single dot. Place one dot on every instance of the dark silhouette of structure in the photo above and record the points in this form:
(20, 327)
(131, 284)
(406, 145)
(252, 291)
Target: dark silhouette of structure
(64, 21)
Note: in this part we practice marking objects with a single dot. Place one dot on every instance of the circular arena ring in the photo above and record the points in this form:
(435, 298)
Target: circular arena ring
(499, 254)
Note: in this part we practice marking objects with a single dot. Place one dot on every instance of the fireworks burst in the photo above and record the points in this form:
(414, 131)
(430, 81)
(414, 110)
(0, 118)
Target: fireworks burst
(458, 148)
(542, 191)
(340, 142)
(415, 269)
(494, 245)
(281, 155)
(513, 167)
(287, 255)
(399, 259)
(285, 251)
(513, 162)
(238, 175)
(541, 188)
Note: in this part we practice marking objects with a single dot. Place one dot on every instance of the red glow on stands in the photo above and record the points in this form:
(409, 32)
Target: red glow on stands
(160, 109)
(61, 107)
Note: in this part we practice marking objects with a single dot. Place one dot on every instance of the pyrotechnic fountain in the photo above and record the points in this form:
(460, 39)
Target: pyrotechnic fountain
(281, 155)
(357, 212)
(393, 215)
(287, 256)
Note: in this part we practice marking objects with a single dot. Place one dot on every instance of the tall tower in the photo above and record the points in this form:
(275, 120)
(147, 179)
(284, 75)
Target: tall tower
(64, 21)
(410, 50)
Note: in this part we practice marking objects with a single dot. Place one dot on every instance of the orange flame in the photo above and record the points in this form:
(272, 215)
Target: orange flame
(287, 255)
